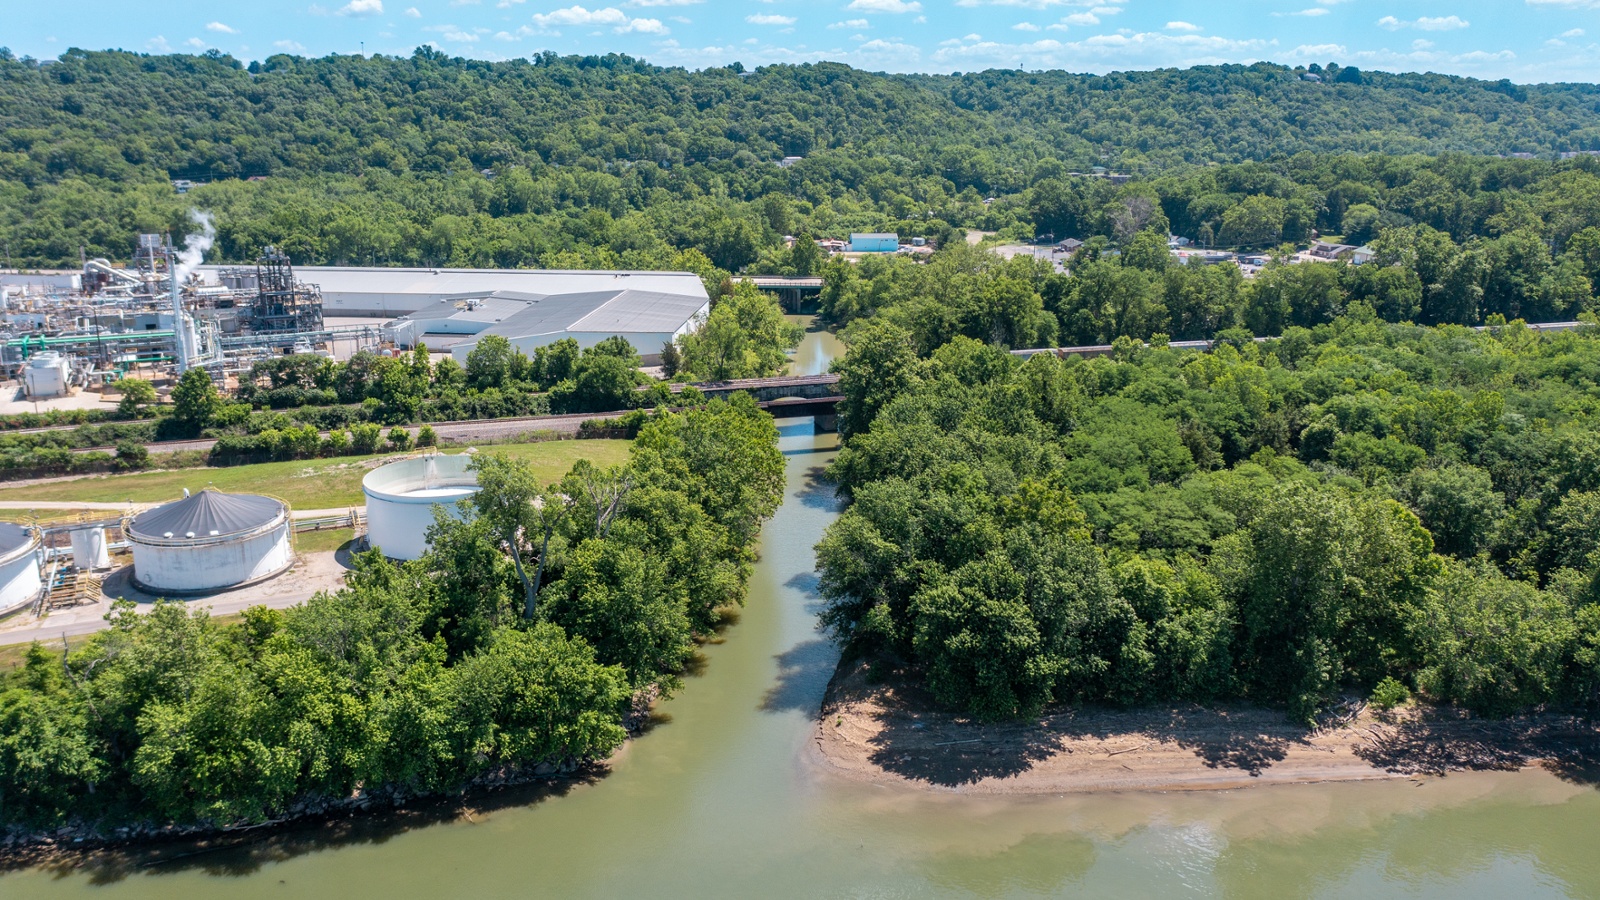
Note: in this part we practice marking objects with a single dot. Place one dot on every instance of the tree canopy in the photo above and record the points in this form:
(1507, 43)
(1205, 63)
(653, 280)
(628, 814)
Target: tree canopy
(1282, 521)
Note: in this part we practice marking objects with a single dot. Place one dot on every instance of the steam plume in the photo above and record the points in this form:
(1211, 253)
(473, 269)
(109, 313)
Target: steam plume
(196, 245)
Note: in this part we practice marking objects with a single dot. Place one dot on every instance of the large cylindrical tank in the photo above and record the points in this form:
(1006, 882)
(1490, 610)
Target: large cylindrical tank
(209, 542)
(402, 495)
(89, 548)
(20, 582)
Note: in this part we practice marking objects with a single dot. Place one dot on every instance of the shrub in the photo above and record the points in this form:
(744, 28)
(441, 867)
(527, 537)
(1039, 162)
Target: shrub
(1388, 694)
(132, 455)
(364, 437)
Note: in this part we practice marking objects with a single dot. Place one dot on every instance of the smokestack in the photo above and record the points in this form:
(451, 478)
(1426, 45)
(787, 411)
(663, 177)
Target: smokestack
(180, 345)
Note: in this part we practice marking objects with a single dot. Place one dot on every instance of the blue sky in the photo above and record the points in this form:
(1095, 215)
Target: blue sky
(1526, 40)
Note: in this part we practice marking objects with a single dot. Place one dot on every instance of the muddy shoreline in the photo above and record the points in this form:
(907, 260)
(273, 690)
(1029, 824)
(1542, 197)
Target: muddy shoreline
(892, 734)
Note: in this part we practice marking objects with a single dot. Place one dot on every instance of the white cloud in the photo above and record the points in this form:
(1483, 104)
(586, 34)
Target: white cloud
(885, 6)
(453, 33)
(196, 43)
(1313, 11)
(1425, 23)
(1576, 32)
(1566, 4)
(852, 23)
(1099, 5)
(1105, 52)
(637, 3)
(1024, 26)
(616, 19)
(1318, 51)
(290, 46)
(158, 44)
(221, 28)
(764, 19)
(1182, 26)
(1422, 44)
(1083, 18)
(362, 8)
(413, 13)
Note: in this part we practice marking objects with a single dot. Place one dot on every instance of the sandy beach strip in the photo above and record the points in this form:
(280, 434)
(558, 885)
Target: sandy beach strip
(893, 734)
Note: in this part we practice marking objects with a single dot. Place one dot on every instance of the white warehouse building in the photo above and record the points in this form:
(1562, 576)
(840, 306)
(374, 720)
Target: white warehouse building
(20, 583)
(649, 320)
(402, 496)
(385, 292)
(208, 542)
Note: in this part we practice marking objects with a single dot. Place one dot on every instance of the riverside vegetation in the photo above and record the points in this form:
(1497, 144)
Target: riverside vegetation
(1358, 507)
(516, 646)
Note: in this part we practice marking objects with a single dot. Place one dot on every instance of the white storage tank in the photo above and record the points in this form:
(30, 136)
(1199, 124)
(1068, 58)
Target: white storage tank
(89, 548)
(401, 497)
(20, 582)
(49, 374)
(208, 542)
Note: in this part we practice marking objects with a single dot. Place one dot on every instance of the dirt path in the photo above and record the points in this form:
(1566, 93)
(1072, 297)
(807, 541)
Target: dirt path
(892, 734)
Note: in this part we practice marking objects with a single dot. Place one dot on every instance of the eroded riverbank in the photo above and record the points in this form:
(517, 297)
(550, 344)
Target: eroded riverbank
(892, 734)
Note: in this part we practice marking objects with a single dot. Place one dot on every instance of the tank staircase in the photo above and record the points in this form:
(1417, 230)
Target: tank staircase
(70, 587)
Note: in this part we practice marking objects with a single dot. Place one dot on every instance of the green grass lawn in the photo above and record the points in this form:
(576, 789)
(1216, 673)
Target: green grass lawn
(324, 541)
(309, 484)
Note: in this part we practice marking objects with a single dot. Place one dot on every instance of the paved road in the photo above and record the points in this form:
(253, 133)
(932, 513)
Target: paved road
(125, 507)
(455, 432)
(65, 624)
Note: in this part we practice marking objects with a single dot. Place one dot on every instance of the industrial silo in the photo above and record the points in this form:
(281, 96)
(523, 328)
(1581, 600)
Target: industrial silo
(89, 549)
(209, 541)
(20, 583)
(401, 497)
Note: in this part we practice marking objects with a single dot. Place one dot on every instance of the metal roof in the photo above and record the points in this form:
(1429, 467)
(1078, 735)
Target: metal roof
(13, 537)
(209, 513)
(359, 287)
(513, 314)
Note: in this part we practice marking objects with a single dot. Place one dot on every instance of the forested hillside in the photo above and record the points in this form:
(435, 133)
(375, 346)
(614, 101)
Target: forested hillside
(608, 161)
(1355, 508)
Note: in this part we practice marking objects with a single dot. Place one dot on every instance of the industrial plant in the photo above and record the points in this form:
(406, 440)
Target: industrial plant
(163, 312)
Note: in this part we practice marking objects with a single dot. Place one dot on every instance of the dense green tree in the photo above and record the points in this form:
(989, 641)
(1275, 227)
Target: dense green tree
(881, 363)
(744, 336)
(194, 403)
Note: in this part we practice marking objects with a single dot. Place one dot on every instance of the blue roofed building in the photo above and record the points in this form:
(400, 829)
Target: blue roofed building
(874, 242)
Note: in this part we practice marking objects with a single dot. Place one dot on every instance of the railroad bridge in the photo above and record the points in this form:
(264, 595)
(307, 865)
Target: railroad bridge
(795, 292)
(783, 396)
